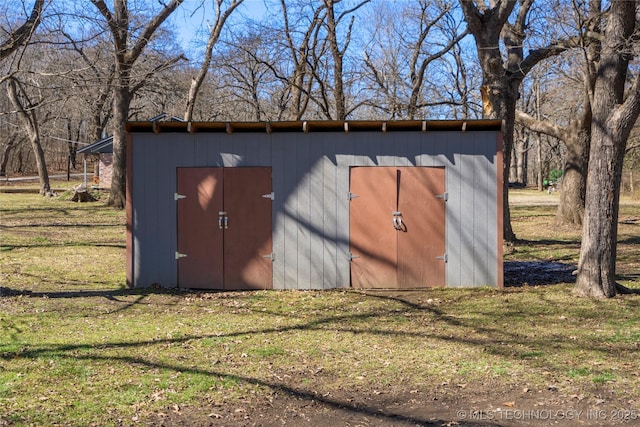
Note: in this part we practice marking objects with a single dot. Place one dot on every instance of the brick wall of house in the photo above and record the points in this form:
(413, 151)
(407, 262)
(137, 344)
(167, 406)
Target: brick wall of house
(106, 169)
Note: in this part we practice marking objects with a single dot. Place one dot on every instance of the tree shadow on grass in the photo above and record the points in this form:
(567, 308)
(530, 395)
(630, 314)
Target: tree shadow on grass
(494, 338)
(537, 273)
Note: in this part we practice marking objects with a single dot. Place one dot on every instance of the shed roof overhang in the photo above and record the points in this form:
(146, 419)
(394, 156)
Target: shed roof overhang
(319, 126)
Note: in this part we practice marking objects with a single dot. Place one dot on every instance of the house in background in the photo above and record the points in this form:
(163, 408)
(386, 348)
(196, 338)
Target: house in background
(314, 204)
(102, 154)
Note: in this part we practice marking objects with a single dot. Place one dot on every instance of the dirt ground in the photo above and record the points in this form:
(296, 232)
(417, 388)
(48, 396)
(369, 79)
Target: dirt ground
(444, 405)
(537, 198)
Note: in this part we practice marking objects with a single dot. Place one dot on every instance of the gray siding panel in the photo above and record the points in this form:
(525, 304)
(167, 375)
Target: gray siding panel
(302, 190)
(138, 225)
(453, 224)
(329, 207)
(493, 246)
(386, 154)
(467, 209)
(290, 211)
(403, 143)
(164, 185)
(316, 215)
(263, 148)
(150, 219)
(228, 153)
(200, 150)
(213, 149)
(345, 159)
(278, 215)
(480, 231)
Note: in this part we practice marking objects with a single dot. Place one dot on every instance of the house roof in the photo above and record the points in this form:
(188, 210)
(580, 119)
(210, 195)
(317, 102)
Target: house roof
(105, 145)
(317, 126)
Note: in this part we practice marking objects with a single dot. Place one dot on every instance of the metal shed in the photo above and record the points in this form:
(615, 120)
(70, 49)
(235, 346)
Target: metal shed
(314, 205)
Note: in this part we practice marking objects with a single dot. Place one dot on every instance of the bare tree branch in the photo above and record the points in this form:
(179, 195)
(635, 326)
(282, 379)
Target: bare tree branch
(21, 36)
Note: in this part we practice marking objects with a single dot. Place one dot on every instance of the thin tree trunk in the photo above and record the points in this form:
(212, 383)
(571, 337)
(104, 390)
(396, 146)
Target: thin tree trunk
(26, 113)
(8, 148)
(539, 171)
(338, 87)
(214, 35)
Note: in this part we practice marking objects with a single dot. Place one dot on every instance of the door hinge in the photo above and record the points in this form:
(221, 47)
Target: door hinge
(352, 256)
(443, 257)
(352, 196)
(271, 196)
(179, 255)
(443, 196)
(177, 196)
(271, 256)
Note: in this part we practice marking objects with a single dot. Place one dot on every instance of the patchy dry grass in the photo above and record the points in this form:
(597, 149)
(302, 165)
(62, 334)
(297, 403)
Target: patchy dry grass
(77, 348)
(543, 240)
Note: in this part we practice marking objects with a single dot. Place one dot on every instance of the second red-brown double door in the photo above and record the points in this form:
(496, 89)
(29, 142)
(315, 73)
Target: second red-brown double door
(224, 228)
(397, 227)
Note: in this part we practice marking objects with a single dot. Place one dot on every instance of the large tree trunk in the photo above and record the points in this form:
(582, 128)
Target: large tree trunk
(125, 55)
(499, 101)
(613, 119)
(597, 265)
(498, 96)
(574, 178)
(121, 101)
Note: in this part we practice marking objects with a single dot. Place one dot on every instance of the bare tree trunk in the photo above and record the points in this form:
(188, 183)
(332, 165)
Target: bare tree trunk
(121, 102)
(499, 100)
(574, 176)
(539, 156)
(300, 82)
(613, 119)
(26, 112)
(576, 139)
(125, 57)
(214, 35)
(9, 146)
(500, 83)
(337, 53)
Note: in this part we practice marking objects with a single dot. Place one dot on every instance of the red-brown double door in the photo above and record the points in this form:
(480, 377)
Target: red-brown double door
(224, 228)
(397, 226)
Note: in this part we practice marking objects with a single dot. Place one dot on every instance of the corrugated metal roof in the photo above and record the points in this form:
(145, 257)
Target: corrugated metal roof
(319, 126)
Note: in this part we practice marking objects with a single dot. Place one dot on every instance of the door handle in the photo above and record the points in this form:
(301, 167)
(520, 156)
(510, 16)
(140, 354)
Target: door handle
(226, 222)
(397, 220)
(221, 215)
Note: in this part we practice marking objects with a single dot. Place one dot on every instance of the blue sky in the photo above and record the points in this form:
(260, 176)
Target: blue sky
(189, 20)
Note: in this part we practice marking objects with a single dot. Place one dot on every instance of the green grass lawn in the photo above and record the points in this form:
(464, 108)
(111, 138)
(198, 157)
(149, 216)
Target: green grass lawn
(78, 348)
